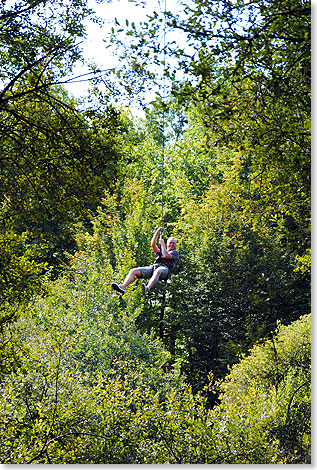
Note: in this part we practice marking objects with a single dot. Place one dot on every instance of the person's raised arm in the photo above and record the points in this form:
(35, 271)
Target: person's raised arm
(164, 251)
(154, 240)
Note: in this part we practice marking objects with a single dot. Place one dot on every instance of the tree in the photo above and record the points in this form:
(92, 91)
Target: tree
(40, 45)
(52, 173)
(55, 156)
(247, 68)
(89, 388)
(265, 409)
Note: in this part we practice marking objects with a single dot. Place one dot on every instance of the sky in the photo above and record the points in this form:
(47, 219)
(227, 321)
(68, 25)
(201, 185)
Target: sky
(94, 46)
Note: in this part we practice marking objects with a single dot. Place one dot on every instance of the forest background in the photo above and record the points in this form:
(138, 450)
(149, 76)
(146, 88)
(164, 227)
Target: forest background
(213, 366)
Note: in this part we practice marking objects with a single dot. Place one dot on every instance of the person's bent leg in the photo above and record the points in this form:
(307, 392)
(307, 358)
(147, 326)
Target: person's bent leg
(153, 280)
(135, 272)
(155, 277)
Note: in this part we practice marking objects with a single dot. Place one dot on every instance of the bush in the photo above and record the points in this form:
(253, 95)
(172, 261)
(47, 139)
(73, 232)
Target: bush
(264, 415)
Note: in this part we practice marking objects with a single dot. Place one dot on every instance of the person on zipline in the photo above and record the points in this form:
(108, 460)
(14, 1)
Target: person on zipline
(165, 259)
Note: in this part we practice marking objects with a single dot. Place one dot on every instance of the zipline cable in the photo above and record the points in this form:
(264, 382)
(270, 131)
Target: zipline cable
(163, 115)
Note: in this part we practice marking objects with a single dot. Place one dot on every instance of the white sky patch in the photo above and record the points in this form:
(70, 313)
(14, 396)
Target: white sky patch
(95, 46)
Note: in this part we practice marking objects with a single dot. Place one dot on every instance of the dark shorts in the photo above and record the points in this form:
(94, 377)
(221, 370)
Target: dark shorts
(147, 271)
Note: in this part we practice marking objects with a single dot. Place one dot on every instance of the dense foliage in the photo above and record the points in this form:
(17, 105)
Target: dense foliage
(56, 156)
(247, 68)
(87, 387)
(214, 365)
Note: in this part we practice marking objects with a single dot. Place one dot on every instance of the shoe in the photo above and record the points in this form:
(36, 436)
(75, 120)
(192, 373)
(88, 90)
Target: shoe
(145, 289)
(117, 287)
